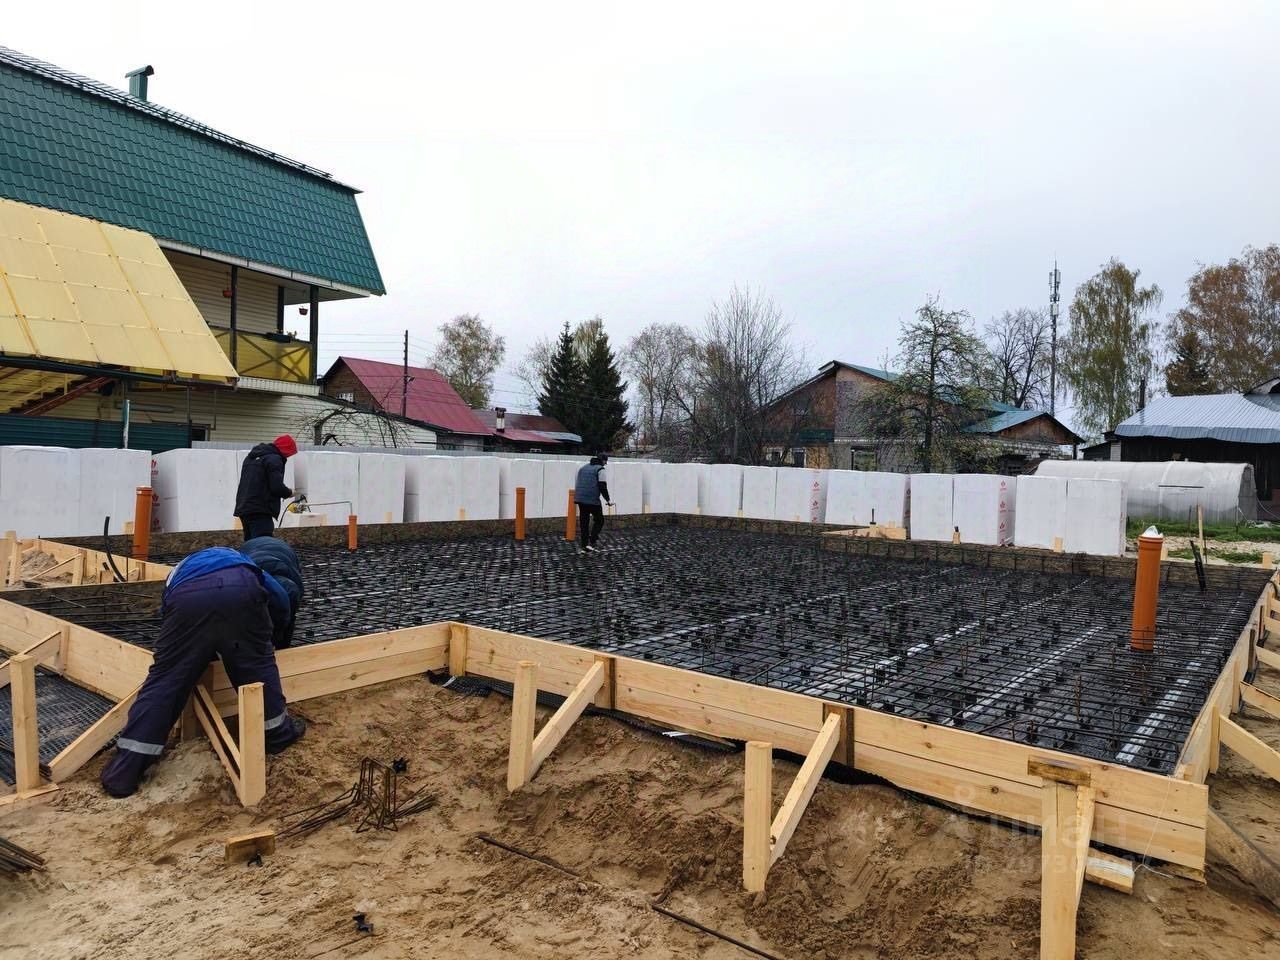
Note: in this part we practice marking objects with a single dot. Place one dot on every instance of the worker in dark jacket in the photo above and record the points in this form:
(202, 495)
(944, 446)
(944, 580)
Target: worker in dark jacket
(278, 559)
(216, 601)
(588, 490)
(262, 486)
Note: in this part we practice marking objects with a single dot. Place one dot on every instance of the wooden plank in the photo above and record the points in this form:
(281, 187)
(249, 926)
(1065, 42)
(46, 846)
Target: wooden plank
(757, 812)
(11, 802)
(524, 702)
(44, 652)
(246, 846)
(1062, 856)
(844, 744)
(1080, 839)
(554, 730)
(1068, 773)
(802, 788)
(1269, 658)
(1260, 754)
(457, 649)
(86, 746)
(1261, 700)
(26, 735)
(253, 746)
(219, 737)
(1230, 847)
(1110, 871)
(608, 695)
(294, 661)
(496, 655)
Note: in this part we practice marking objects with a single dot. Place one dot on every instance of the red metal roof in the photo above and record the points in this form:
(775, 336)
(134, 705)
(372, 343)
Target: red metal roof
(431, 398)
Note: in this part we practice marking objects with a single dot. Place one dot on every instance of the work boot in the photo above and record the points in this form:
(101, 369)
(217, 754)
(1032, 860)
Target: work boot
(288, 733)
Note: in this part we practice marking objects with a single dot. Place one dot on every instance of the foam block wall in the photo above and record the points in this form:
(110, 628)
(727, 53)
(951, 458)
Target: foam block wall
(655, 487)
(381, 488)
(1096, 517)
(519, 473)
(801, 494)
(331, 478)
(931, 506)
(682, 487)
(109, 480)
(984, 508)
(558, 478)
(759, 492)
(39, 491)
(196, 489)
(845, 490)
(480, 484)
(433, 488)
(625, 480)
(1042, 512)
(724, 490)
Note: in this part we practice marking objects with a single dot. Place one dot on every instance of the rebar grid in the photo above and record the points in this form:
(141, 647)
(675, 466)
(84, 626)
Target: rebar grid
(1036, 657)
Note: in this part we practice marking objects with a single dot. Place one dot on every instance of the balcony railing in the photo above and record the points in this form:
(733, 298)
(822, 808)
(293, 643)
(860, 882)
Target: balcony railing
(270, 356)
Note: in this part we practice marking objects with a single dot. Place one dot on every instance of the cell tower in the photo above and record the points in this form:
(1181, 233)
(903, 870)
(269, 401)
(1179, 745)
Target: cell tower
(1055, 280)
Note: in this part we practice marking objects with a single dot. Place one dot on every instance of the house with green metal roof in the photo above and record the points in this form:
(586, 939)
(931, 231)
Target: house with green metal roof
(258, 241)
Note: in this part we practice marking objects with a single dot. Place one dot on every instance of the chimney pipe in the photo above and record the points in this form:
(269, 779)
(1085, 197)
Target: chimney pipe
(138, 81)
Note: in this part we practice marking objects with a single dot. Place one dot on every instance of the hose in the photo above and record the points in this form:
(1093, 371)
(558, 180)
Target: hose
(106, 548)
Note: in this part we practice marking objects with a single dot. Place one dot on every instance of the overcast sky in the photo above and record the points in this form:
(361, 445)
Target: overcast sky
(536, 163)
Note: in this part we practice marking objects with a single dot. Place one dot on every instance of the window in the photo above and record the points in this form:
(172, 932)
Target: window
(864, 460)
(347, 396)
(797, 456)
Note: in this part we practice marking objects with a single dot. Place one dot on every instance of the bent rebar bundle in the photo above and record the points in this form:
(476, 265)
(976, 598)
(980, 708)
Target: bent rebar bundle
(376, 792)
(15, 859)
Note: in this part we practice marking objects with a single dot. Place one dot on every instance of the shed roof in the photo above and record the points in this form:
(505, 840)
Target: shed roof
(431, 398)
(80, 146)
(1232, 417)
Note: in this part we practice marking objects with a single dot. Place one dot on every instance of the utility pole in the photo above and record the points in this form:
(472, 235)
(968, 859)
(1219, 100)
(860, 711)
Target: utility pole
(1055, 279)
(404, 382)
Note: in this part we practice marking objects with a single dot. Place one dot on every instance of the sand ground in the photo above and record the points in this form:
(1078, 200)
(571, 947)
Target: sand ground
(871, 872)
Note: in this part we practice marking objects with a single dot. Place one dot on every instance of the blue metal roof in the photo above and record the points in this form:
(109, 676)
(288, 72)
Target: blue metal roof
(1233, 417)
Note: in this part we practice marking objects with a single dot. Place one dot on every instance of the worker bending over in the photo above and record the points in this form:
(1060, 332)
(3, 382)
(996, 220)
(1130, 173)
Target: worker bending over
(220, 602)
(588, 490)
(262, 486)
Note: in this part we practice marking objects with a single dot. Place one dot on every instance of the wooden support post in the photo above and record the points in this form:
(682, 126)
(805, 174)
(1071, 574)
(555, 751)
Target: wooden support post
(955, 535)
(844, 747)
(26, 735)
(1067, 802)
(802, 788)
(8, 546)
(1215, 739)
(519, 513)
(457, 649)
(757, 812)
(219, 737)
(1057, 544)
(571, 521)
(15, 563)
(523, 704)
(253, 746)
(609, 689)
(1200, 524)
(1268, 560)
(1237, 738)
(553, 732)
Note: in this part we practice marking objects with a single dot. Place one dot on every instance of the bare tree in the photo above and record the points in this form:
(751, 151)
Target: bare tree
(531, 369)
(1019, 343)
(467, 355)
(660, 360)
(348, 424)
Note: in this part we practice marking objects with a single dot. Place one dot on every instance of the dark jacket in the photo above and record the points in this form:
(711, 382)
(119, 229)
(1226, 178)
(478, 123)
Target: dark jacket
(261, 483)
(277, 558)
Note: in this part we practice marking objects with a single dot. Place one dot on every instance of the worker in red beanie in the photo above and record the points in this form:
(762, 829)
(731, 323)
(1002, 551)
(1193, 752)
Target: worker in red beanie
(262, 486)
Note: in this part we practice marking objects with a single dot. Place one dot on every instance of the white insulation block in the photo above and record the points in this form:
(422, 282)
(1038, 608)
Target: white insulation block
(432, 488)
(109, 481)
(514, 473)
(931, 506)
(801, 495)
(558, 478)
(845, 490)
(381, 488)
(39, 491)
(984, 508)
(654, 486)
(759, 492)
(625, 480)
(1096, 517)
(884, 499)
(480, 483)
(331, 481)
(1042, 512)
(724, 490)
(683, 480)
(196, 489)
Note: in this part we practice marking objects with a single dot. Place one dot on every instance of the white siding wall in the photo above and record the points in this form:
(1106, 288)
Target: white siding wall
(205, 280)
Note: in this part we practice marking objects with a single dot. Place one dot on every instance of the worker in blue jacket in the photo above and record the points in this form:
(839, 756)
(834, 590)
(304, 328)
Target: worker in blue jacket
(219, 602)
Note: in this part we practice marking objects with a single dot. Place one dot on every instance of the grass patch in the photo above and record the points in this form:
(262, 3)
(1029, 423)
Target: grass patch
(1212, 531)
(1230, 556)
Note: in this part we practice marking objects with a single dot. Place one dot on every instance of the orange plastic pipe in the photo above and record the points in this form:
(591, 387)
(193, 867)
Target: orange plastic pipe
(353, 536)
(571, 521)
(142, 523)
(1146, 590)
(519, 513)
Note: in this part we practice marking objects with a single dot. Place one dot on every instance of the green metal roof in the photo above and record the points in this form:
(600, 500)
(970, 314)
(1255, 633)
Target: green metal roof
(83, 147)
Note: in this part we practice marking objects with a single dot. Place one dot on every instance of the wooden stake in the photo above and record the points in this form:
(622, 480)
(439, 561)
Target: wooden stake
(457, 649)
(578, 700)
(523, 704)
(15, 563)
(253, 746)
(571, 521)
(249, 845)
(8, 546)
(1067, 803)
(1268, 561)
(1200, 523)
(955, 535)
(26, 736)
(1057, 544)
(757, 808)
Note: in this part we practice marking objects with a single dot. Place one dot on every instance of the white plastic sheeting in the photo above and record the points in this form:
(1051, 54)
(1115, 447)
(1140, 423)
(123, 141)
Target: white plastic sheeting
(558, 478)
(39, 491)
(433, 488)
(983, 508)
(1172, 489)
(519, 473)
(723, 490)
(331, 481)
(759, 492)
(625, 480)
(800, 495)
(480, 488)
(109, 481)
(1095, 517)
(381, 488)
(1042, 512)
(195, 489)
(931, 506)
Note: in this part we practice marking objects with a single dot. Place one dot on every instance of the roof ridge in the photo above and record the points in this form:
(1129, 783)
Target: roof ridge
(49, 71)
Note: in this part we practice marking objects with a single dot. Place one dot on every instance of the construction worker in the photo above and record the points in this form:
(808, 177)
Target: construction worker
(262, 486)
(588, 490)
(219, 602)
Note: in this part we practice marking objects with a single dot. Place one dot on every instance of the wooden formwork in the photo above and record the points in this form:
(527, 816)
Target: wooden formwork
(83, 564)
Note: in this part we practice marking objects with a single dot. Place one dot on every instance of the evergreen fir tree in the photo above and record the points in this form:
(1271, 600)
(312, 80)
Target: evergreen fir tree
(603, 425)
(1188, 370)
(562, 383)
